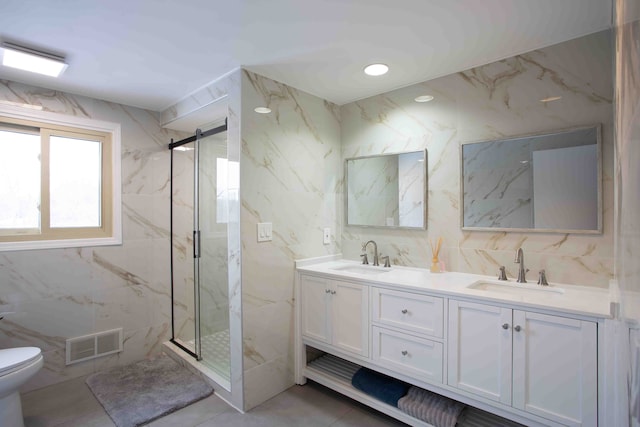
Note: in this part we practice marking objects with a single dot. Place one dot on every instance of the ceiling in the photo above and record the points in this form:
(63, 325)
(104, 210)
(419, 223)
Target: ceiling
(153, 53)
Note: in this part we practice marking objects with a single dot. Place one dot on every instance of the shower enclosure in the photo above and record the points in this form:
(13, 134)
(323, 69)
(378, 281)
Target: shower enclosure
(201, 189)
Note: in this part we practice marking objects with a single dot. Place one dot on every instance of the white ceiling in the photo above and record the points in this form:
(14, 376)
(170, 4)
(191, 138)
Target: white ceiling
(152, 53)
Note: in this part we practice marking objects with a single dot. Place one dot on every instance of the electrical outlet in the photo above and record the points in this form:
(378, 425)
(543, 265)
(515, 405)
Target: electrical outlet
(326, 236)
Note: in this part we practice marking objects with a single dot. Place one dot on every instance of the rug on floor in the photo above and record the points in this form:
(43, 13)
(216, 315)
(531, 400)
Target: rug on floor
(138, 393)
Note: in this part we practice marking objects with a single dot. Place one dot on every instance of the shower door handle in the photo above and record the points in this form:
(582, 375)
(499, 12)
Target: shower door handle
(196, 243)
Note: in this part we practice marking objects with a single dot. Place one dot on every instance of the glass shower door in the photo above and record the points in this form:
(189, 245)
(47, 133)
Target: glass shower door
(213, 270)
(199, 210)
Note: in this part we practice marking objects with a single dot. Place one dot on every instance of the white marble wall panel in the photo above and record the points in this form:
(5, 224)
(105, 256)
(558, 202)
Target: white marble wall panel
(628, 155)
(489, 102)
(63, 293)
(290, 176)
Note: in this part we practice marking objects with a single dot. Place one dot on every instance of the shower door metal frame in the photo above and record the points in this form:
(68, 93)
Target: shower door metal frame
(196, 234)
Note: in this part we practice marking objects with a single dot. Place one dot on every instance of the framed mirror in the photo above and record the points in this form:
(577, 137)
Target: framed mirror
(387, 190)
(548, 182)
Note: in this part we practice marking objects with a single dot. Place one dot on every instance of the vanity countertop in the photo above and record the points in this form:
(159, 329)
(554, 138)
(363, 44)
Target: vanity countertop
(580, 300)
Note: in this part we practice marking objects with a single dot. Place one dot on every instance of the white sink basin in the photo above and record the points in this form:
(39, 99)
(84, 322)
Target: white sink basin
(513, 288)
(362, 269)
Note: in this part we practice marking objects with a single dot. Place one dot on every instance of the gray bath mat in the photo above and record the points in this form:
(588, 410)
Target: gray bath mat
(136, 394)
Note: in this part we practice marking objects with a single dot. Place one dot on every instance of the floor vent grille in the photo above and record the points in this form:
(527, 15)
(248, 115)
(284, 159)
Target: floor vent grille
(94, 345)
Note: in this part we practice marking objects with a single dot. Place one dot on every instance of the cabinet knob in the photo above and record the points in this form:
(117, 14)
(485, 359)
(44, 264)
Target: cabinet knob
(326, 291)
(505, 326)
(517, 328)
(333, 292)
(405, 311)
(405, 352)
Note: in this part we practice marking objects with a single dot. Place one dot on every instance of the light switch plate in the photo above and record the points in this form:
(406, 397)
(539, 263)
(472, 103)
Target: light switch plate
(326, 236)
(265, 232)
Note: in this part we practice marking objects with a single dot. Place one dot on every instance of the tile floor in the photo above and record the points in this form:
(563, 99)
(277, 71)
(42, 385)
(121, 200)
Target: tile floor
(72, 404)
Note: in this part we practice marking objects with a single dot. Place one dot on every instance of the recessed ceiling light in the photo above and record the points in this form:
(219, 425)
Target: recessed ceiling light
(423, 98)
(376, 69)
(551, 98)
(32, 60)
(262, 110)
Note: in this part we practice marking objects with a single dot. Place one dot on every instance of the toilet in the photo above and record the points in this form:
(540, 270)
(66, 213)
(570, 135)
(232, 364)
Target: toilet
(17, 366)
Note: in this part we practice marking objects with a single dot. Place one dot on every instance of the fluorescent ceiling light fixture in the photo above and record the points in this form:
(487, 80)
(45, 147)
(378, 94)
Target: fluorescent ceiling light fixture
(32, 60)
(376, 69)
(551, 98)
(262, 110)
(423, 98)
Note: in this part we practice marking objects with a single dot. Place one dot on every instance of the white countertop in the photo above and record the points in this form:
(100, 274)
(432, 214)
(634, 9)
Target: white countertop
(580, 300)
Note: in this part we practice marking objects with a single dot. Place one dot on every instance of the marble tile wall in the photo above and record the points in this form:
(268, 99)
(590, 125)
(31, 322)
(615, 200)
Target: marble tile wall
(63, 293)
(488, 102)
(290, 176)
(628, 156)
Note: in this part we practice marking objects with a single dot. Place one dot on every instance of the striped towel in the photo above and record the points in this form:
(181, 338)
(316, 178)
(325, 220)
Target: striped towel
(430, 407)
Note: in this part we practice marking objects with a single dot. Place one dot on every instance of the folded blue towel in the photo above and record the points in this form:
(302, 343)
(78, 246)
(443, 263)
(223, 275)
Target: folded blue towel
(384, 388)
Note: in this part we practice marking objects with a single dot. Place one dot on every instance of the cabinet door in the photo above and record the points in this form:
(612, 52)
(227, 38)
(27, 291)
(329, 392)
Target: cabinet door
(479, 357)
(315, 297)
(555, 368)
(350, 319)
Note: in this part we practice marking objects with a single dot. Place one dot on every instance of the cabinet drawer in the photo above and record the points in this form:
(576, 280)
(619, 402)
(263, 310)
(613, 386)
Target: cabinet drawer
(414, 312)
(418, 357)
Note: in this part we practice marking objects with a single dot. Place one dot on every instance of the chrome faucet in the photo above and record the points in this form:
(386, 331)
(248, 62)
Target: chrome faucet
(522, 272)
(375, 251)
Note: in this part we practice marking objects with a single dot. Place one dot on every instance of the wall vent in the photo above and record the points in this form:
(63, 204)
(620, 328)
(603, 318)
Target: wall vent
(94, 345)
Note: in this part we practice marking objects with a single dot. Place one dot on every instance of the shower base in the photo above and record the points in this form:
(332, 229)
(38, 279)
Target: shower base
(215, 352)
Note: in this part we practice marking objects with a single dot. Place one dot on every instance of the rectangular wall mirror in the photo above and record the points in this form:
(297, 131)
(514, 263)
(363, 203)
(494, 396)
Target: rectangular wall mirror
(549, 182)
(387, 190)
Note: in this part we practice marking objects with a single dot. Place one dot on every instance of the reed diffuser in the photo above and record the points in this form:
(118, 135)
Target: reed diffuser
(435, 250)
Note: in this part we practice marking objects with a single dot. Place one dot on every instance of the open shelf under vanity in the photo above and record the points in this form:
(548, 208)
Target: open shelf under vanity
(335, 373)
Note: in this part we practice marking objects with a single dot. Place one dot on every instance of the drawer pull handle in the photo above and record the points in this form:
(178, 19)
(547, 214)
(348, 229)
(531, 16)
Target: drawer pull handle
(326, 291)
(405, 311)
(517, 328)
(333, 292)
(505, 326)
(405, 352)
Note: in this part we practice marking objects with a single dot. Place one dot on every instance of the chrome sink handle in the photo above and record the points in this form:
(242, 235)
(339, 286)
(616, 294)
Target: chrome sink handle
(503, 273)
(542, 278)
(387, 263)
(365, 260)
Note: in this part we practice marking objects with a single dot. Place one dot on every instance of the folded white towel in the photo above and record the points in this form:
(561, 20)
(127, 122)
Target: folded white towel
(430, 407)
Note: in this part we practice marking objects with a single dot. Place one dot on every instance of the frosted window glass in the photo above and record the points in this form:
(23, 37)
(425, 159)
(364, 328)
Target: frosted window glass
(75, 182)
(19, 180)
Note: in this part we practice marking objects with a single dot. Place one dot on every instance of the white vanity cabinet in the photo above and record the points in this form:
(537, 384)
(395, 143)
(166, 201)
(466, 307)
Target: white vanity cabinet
(336, 313)
(542, 364)
(407, 333)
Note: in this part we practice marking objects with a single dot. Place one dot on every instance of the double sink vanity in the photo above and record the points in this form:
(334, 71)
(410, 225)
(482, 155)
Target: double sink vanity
(522, 351)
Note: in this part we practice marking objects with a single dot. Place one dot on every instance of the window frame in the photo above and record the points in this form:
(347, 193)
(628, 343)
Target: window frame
(110, 231)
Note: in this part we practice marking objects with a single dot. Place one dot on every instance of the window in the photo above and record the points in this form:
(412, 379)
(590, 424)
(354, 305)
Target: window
(57, 180)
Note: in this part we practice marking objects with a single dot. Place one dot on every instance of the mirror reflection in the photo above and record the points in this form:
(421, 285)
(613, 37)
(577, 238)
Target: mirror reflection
(546, 182)
(387, 190)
